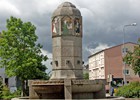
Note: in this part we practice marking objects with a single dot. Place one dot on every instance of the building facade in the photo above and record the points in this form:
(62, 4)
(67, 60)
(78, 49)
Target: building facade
(11, 82)
(96, 66)
(109, 62)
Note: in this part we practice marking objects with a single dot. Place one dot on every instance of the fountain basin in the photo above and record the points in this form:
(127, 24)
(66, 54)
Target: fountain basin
(56, 88)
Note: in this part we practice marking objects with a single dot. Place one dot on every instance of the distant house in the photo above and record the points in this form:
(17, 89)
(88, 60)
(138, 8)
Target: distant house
(11, 82)
(109, 62)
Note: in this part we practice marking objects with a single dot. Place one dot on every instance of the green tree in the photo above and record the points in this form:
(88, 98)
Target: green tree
(20, 54)
(133, 58)
(86, 75)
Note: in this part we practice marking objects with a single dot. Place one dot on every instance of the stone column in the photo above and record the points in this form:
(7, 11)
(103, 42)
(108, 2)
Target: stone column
(32, 93)
(67, 89)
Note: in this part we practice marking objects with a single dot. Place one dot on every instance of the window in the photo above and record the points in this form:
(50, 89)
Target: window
(51, 62)
(126, 72)
(67, 62)
(6, 81)
(95, 63)
(78, 62)
(56, 63)
(125, 50)
(102, 61)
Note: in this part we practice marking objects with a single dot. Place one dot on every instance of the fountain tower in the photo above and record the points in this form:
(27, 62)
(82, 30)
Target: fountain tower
(67, 42)
(66, 81)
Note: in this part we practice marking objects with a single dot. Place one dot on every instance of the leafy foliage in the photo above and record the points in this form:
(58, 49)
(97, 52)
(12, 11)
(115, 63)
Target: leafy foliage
(86, 75)
(132, 90)
(133, 58)
(20, 55)
(8, 95)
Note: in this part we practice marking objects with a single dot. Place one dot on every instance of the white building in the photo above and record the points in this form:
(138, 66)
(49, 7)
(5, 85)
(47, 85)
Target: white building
(96, 66)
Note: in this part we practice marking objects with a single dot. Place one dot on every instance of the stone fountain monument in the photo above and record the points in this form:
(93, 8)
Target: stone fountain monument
(66, 81)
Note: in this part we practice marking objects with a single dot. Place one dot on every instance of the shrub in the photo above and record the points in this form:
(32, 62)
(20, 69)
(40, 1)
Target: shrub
(6, 94)
(1, 88)
(131, 90)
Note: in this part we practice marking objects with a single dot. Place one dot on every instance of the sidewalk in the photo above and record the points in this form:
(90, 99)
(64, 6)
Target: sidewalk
(113, 97)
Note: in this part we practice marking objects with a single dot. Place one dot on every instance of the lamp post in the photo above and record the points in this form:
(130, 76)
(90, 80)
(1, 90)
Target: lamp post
(124, 50)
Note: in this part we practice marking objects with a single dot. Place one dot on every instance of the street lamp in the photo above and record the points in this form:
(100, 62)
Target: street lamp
(124, 50)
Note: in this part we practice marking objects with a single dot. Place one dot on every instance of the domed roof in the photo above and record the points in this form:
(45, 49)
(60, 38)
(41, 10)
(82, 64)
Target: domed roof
(66, 8)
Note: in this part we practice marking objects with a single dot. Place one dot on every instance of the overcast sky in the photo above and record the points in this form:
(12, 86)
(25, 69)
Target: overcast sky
(103, 21)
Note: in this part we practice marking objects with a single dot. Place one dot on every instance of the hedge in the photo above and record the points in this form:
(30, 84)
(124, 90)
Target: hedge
(131, 90)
